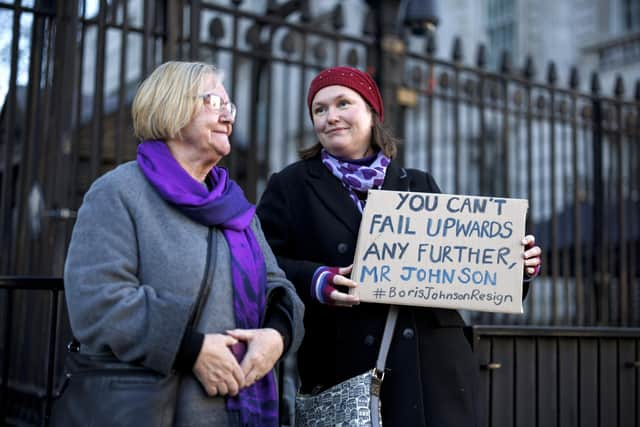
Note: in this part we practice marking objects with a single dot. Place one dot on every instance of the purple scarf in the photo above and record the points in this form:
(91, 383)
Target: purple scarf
(226, 208)
(358, 176)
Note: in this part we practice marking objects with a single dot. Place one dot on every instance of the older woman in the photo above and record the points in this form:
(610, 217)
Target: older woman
(311, 213)
(151, 231)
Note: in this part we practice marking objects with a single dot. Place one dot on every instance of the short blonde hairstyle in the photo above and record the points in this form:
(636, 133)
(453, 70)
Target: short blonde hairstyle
(166, 101)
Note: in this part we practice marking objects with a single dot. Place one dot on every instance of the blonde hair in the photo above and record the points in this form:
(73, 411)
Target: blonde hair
(166, 101)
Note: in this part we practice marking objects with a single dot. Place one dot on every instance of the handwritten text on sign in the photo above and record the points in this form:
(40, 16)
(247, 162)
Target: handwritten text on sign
(441, 250)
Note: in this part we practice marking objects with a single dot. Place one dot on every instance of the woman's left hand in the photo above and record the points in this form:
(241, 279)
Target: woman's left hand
(264, 348)
(531, 255)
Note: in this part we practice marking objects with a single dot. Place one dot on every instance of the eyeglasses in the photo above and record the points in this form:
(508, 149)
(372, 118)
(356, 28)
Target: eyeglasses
(215, 103)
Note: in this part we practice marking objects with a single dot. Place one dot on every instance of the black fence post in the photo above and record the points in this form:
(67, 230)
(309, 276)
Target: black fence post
(9, 111)
(622, 270)
(600, 282)
(388, 64)
(258, 66)
(552, 77)
(51, 362)
(481, 62)
(56, 148)
(173, 20)
(456, 57)
(634, 183)
(6, 354)
(528, 74)
(505, 71)
(574, 84)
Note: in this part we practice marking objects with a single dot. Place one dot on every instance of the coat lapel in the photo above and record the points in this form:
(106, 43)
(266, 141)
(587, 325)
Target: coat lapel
(333, 195)
(336, 198)
(396, 178)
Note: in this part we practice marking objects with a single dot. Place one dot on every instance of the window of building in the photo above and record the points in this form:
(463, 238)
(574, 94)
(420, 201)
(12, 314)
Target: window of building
(631, 15)
(501, 29)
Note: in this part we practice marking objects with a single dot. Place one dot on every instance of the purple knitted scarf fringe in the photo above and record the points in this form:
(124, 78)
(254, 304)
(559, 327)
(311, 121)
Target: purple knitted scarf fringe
(225, 207)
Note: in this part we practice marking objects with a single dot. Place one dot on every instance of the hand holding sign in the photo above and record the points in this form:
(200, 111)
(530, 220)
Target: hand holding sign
(531, 256)
(324, 283)
(341, 298)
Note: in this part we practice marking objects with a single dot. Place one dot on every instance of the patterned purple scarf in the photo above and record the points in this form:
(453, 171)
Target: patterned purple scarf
(226, 208)
(358, 176)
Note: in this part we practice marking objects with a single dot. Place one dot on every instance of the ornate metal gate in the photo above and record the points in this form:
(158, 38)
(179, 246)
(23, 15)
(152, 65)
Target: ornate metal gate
(72, 68)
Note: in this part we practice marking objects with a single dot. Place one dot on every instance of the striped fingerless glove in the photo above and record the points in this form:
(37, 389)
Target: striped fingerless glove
(322, 284)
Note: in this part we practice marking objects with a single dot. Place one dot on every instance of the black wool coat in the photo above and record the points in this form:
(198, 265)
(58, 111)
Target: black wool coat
(432, 378)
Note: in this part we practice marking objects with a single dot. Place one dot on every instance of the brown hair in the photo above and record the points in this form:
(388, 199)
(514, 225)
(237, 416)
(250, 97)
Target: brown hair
(381, 139)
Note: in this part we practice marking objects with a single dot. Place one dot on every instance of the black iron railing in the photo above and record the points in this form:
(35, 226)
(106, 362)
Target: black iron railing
(30, 348)
(74, 67)
(574, 154)
(559, 376)
(530, 376)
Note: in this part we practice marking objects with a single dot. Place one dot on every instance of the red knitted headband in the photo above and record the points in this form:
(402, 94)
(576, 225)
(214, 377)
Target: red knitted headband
(352, 78)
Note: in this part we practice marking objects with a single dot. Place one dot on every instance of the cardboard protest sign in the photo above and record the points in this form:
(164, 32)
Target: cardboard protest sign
(441, 250)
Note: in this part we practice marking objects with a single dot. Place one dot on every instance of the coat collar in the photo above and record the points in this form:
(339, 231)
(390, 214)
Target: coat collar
(396, 178)
(336, 198)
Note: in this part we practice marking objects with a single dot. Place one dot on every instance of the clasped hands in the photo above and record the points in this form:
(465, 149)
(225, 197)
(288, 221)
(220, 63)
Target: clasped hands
(531, 259)
(221, 373)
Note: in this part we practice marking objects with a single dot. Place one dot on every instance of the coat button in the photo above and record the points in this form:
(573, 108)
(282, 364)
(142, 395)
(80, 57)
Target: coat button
(342, 248)
(369, 340)
(408, 333)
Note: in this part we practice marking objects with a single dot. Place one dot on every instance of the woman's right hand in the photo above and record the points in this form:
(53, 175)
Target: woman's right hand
(338, 298)
(217, 368)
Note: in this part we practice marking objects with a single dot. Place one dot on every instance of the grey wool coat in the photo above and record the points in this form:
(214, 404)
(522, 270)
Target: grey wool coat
(132, 275)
